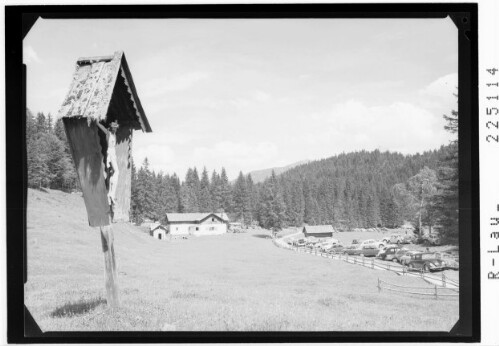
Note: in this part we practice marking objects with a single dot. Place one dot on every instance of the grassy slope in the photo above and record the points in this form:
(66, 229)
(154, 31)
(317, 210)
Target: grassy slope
(227, 282)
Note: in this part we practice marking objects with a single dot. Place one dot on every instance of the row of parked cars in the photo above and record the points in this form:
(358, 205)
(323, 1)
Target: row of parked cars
(413, 259)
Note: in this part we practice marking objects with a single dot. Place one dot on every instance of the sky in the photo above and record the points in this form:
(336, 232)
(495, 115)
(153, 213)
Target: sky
(259, 93)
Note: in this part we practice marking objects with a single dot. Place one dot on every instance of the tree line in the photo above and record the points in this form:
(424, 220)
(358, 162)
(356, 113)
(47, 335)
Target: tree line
(350, 190)
(49, 162)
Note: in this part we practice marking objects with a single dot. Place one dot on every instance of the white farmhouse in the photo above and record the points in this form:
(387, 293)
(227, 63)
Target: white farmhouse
(196, 224)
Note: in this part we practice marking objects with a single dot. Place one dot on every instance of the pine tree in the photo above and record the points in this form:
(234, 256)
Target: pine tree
(205, 202)
(41, 123)
(272, 208)
(252, 199)
(446, 201)
(216, 192)
(226, 192)
(145, 190)
(241, 200)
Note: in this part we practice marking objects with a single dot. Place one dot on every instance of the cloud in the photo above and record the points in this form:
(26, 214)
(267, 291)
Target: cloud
(161, 157)
(261, 96)
(440, 93)
(165, 84)
(236, 156)
(30, 55)
(399, 126)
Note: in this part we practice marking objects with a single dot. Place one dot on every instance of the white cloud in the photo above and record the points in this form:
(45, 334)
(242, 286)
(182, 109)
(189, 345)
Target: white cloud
(261, 96)
(236, 156)
(161, 157)
(30, 55)
(400, 126)
(165, 84)
(440, 93)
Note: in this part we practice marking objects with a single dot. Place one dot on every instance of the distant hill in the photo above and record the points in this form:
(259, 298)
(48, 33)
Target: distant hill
(260, 175)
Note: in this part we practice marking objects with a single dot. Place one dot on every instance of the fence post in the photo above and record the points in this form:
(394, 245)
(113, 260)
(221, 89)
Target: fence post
(443, 280)
(363, 261)
(379, 285)
(372, 263)
(388, 267)
(436, 292)
(355, 260)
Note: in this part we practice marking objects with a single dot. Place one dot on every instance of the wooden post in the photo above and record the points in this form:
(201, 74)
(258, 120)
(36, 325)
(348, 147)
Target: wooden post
(107, 239)
(372, 263)
(379, 286)
(443, 280)
(436, 292)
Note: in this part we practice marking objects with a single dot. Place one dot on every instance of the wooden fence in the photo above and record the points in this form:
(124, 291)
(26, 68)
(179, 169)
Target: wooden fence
(439, 280)
(434, 291)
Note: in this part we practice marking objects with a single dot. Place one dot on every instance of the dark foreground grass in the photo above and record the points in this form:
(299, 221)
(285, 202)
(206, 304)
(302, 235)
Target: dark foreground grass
(232, 282)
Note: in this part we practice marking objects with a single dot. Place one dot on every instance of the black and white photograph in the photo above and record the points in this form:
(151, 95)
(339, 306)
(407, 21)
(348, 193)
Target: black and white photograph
(243, 174)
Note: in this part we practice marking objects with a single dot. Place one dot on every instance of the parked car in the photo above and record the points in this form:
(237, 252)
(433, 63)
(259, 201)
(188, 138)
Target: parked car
(335, 249)
(373, 242)
(300, 242)
(310, 242)
(388, 253)
(404, 257)
(369, 250)
(451, 262)
(431, 239)
(351, 249)
(426, 261)
(329, 244)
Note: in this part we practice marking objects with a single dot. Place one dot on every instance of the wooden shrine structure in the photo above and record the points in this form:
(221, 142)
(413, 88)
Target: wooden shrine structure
(102, 90)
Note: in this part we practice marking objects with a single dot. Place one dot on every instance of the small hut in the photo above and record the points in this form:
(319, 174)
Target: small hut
(319, 231)
(158, 232)
(102, 91)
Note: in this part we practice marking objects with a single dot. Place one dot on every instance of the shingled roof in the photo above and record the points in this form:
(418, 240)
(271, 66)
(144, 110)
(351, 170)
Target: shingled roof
(103, 85)
(318, 229)
(193, 217)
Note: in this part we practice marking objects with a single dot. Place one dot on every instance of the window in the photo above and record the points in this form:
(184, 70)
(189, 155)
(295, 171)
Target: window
(211, 228)
(197, 228)
(213, 219)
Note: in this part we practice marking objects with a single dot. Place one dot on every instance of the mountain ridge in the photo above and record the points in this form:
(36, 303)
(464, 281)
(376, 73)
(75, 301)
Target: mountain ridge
(260, 175)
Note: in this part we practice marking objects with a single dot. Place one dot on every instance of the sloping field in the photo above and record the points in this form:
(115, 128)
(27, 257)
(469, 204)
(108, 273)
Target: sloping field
(229, 282)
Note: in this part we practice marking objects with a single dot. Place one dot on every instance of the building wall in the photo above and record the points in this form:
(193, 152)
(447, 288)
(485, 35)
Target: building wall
(318, 235)
(211, 229)
(208, 227)
(159, 231)
(180, 229)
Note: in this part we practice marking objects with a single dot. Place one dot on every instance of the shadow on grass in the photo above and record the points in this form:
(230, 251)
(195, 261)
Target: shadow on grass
(78, 308)
(264, 236)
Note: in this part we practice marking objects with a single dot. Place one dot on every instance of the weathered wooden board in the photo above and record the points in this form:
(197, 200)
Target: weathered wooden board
(85, 146)
(124, 186)
(91, 89)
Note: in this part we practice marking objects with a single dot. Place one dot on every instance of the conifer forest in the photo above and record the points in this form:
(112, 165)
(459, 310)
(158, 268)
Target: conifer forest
(362, 189)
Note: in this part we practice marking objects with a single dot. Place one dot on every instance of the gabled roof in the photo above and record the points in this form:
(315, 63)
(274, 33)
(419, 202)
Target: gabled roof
(193, 217)
(103, 85)
(318, 229)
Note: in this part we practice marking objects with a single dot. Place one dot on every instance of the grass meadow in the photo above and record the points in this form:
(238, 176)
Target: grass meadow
(231, 282)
